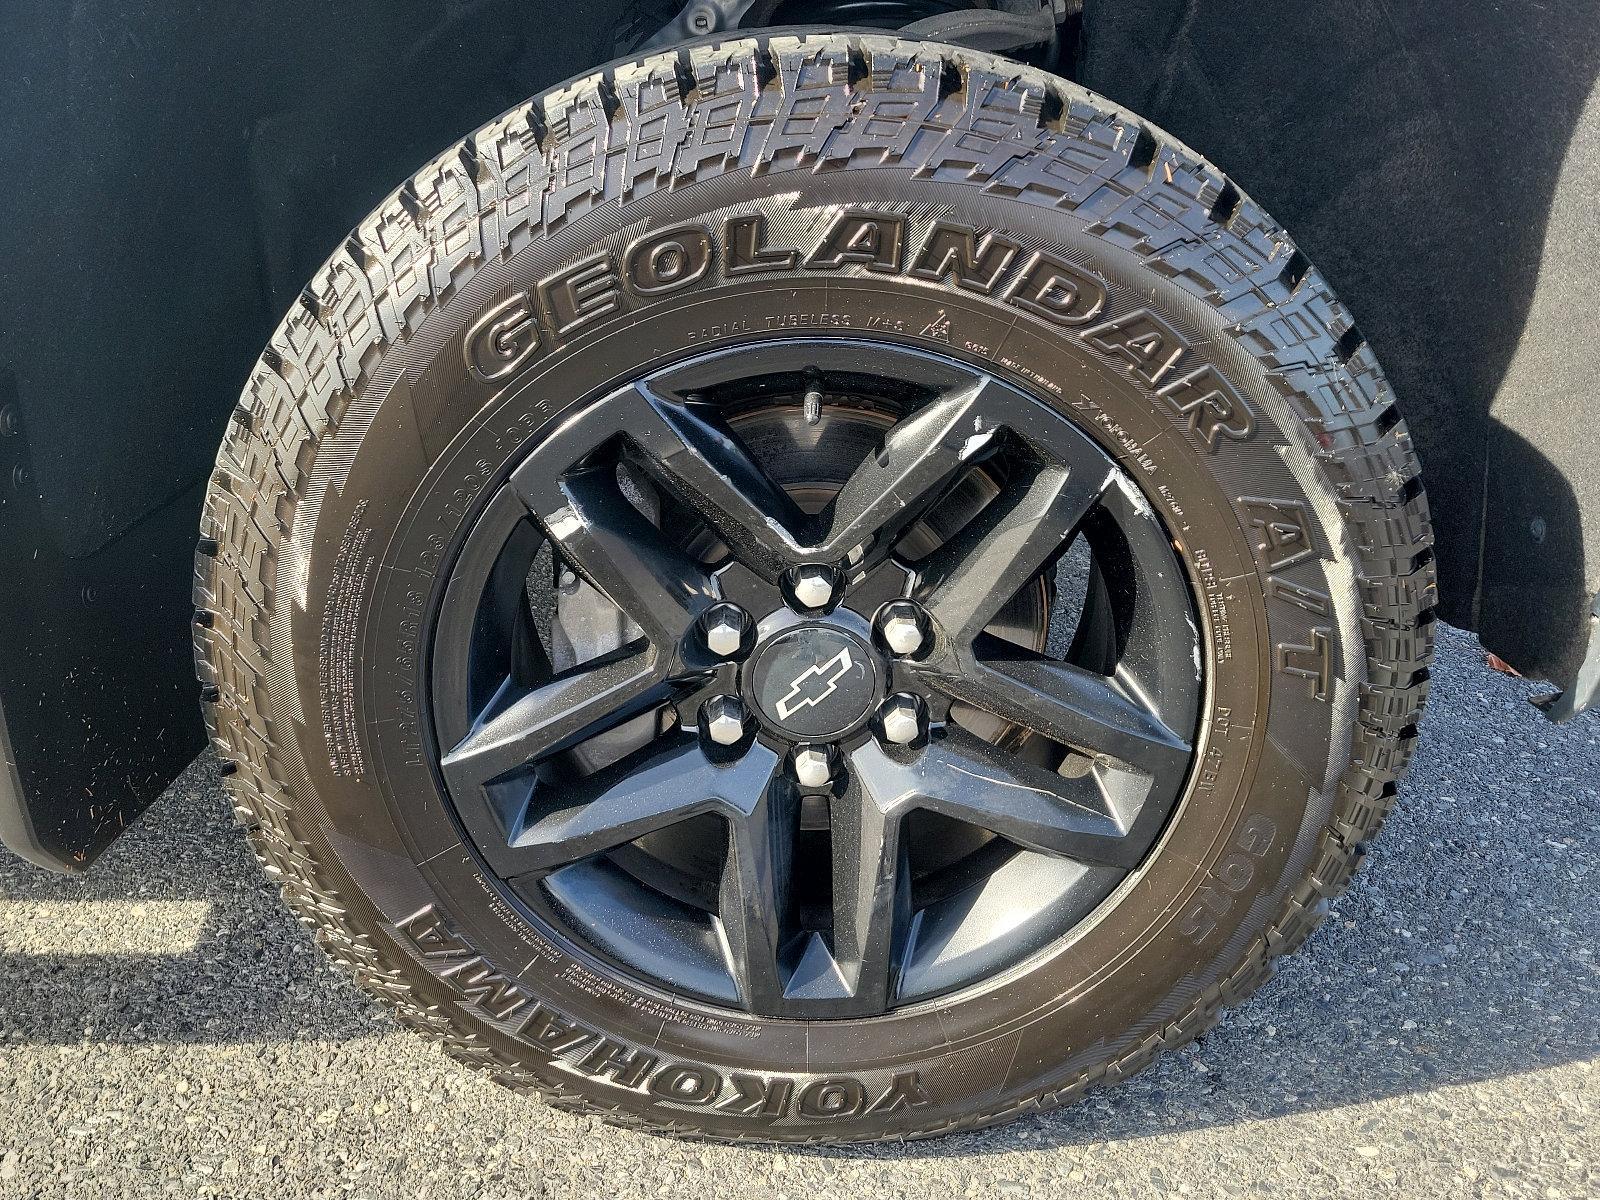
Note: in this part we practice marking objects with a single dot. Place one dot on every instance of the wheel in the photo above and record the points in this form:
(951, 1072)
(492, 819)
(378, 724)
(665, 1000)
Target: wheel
(822, 587)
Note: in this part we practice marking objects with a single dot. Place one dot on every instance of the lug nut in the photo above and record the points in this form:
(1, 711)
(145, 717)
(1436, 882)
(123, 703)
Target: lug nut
(900, 719)
(903, 627)
(812, 767)
(724, 629)
(722, 717)
(813, 587)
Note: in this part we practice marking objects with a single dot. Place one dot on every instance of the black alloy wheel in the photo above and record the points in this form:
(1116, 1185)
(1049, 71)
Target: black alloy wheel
(829, 727)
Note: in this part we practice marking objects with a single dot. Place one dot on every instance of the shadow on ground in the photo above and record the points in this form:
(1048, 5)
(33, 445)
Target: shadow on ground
(1464, 952)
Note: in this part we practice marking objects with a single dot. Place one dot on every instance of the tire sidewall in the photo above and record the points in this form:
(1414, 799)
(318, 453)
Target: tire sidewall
(432, 444)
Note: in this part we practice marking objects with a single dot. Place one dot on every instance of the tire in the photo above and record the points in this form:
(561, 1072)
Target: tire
(816, 189)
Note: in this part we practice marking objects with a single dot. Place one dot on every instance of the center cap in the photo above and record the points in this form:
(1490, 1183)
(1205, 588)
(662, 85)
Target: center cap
(814, 682)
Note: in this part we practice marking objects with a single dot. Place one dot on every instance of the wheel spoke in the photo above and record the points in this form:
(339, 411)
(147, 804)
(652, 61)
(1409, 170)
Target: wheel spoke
(639, 795)
(602, 536)
(871, 877)
(754, 895)
(1066, 704)
(690, 450)
(967, 779)
(969, 579)
(558, 714)
(921, 457)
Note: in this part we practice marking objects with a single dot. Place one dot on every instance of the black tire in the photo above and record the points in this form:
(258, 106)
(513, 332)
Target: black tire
(1137, 290)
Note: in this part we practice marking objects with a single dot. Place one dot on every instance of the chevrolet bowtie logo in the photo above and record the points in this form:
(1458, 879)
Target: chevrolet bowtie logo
(814, 685)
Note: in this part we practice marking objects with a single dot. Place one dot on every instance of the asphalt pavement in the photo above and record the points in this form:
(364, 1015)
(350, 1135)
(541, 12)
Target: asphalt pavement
(167, 1030)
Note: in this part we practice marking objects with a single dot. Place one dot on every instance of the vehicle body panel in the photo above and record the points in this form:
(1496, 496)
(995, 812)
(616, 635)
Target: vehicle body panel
(174, 174)
(1441, 165)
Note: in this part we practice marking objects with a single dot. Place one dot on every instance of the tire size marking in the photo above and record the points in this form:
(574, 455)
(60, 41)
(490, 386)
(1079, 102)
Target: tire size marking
(555, 309)
(337, 640)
